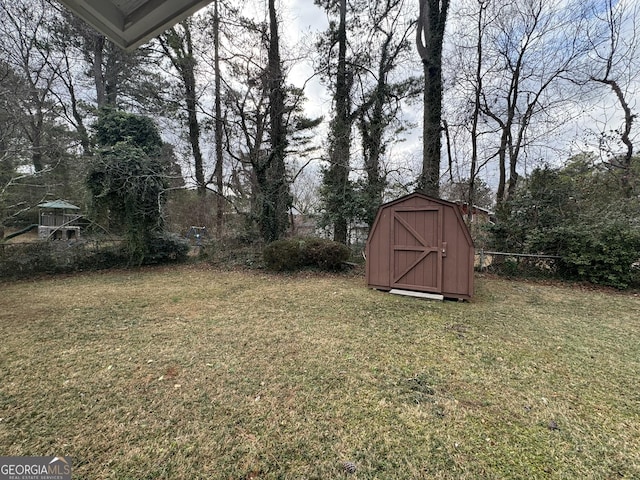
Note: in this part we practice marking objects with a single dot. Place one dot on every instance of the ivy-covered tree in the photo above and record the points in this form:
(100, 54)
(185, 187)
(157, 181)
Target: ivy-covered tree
(337, 190)
(178, 46)
(127, 178)
(361, 56)
(276, 194)
(114, 126)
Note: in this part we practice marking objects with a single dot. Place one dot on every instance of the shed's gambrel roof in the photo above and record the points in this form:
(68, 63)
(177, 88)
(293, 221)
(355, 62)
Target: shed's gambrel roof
(455, 206)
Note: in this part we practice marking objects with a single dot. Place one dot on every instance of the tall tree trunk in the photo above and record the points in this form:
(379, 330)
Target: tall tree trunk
(36, 127)
(112, 70)
(189, 78)
(98, 77)
(429, 38)
(106, 69)
(36, 144)
(341, 135)
(373, 152)
(501, 195)
(275, 196)
(194, 127)
(79, 118)
(513, 175)
(372, 130)
(629, 117)
(617, 55)
(179, 49)
(473, 171)
(219, 126)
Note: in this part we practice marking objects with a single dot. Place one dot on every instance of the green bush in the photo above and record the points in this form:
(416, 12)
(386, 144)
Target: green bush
(297, 253)
(282, 255)
(28, 259)
(603, 256)
(510, 266)
(20, 260)
(23, 260)
(166, 248)
(324, 254)
(103, 258)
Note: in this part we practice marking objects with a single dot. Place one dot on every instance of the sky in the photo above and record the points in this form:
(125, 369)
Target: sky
(302, 19)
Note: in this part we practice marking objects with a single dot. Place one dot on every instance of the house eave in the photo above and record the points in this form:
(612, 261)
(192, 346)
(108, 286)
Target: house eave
(130, 23)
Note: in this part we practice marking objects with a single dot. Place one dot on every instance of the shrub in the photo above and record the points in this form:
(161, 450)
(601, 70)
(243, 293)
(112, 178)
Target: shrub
(28, 259)
(103, 258)
(166, 248)
(324, 254)
(282, 255)
(510, 266)
(19, 260)
(297, 253)
(603, 256)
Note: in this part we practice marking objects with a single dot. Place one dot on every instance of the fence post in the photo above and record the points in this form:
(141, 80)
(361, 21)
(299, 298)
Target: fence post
(481, 259)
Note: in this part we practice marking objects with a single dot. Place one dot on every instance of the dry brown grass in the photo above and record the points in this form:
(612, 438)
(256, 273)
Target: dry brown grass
(190, 372)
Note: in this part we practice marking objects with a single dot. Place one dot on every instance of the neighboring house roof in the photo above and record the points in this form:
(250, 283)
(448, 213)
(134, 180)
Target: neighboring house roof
(483, 210)
(59, 204)
(476, 210)
(130, 23)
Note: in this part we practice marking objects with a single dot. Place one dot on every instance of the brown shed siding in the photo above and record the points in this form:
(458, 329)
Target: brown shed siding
(421, 243)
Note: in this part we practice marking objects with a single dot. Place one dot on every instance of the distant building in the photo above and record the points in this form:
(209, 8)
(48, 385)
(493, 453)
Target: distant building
(58, 221)
(478, 214)
(302, 224)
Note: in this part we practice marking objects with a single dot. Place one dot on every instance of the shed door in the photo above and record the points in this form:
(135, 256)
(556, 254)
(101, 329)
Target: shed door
(416, 236)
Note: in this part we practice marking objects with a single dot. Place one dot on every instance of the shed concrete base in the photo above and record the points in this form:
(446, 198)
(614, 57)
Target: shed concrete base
(409, 293)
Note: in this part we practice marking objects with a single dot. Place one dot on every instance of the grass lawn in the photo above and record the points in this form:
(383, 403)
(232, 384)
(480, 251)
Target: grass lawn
(189, 372)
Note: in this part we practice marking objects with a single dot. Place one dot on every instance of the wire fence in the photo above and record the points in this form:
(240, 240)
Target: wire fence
(517, 264)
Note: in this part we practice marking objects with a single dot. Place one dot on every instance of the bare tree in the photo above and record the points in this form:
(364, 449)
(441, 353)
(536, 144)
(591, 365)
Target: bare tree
(337, 189)
(613, 62)
(219, 126)
(178, 46)
(466, 127)
(23, 39)
(72, 106)
(475, 116)
(120, 79)
(532, 47)
(260, 122)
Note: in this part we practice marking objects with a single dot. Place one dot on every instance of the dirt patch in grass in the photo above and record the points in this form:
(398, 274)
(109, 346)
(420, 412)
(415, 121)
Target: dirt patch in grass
(188, 372)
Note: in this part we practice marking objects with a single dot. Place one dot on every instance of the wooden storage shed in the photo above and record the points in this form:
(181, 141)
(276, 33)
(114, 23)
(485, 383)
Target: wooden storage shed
(421, 244)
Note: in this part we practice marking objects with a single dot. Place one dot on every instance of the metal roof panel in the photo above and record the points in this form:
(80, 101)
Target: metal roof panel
(59, 204)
